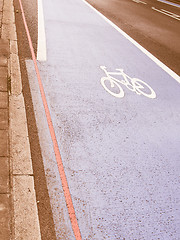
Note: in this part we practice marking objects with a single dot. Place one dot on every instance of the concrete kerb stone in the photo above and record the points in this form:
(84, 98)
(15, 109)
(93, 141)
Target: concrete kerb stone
(26, 227)
(13, 47)
(20, 148)
(16, 84)
(25, 222)
(8, 5)
(8, 17)
(9, 31)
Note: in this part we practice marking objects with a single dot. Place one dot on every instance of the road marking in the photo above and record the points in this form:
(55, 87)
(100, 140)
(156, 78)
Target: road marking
(169, 3)
(133, 84)
(152, 57)
(167, 14)
(41, 49)
(67, 194)
(138, 1)
(175, 15)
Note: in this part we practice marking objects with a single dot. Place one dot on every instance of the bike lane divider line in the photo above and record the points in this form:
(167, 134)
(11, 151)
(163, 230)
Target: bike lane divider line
(152, 57)
(41, 49)
(65, 186)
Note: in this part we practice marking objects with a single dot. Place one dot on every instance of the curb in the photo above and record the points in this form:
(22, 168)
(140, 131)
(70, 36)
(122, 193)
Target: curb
(25, 221)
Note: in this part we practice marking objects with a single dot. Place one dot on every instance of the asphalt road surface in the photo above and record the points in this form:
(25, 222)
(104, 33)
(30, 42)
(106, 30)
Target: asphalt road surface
(151, 23)
(116, 115)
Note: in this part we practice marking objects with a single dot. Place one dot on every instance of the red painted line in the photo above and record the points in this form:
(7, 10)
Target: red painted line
(65, 186)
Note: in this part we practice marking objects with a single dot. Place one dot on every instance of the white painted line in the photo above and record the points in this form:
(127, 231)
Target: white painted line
(138, 1)
(171, 13)
(163, 12)
(169, 3)
(41, 49)
(142, 2)
(157, 61)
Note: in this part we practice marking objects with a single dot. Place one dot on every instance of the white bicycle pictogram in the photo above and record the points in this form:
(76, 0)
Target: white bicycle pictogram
(133, 84)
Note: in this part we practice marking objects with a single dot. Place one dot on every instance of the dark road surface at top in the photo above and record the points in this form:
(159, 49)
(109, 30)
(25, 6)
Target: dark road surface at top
(156, 32)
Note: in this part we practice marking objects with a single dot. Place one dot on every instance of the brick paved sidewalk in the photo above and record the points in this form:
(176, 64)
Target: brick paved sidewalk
(4, 144)
(5, 200)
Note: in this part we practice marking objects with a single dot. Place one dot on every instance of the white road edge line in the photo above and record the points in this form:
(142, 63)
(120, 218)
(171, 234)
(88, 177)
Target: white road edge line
(41, 49)
(161, 11)
(169, 3)
(152, 57)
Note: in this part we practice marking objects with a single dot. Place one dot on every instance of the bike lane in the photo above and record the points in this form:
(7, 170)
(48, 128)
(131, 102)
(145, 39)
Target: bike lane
(121, 155)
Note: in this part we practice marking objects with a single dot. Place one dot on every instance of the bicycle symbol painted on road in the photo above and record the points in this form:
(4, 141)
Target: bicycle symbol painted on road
(112, 84)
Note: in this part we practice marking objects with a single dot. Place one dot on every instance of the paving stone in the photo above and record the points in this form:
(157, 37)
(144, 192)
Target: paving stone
(3, 100)
(3, 72)
(1, 5)
(0, 14)
(3, 61)
(4, 48)
(3, 78)
(5, 217)
(3, 119)
(3, 143)
(4, 175)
